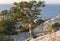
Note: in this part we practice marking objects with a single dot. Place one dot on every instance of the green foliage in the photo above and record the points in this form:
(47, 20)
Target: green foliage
(4, 12)
(23, 10)
(40, 21)
(24, 29)
(7, 27)
(54, 26)
(6, 38)
(20, 12)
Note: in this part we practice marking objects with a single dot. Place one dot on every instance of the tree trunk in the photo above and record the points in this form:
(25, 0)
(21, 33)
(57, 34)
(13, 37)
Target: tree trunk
(32, 35)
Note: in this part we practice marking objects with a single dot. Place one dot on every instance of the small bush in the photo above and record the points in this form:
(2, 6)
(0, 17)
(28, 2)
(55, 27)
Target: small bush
(54, 26)
(8, 27)
(24, 29)
(6, 38)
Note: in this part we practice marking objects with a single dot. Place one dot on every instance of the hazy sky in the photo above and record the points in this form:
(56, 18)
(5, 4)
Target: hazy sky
(47, 1)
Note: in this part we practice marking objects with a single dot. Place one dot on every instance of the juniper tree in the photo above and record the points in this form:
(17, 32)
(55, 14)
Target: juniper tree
(27, 12)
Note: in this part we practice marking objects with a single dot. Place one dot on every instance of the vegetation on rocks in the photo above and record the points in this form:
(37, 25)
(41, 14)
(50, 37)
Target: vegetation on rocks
(54, 27)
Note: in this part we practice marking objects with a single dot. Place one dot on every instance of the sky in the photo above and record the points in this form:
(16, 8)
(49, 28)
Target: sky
(46, 1)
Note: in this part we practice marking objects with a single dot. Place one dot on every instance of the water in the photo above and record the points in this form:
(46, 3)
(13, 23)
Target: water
(49, 11)
(5, 6)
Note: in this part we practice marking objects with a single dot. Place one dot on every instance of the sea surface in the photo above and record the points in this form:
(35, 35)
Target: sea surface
(49, 11)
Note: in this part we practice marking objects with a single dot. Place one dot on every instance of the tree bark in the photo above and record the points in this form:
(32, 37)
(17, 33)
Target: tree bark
(32, 35)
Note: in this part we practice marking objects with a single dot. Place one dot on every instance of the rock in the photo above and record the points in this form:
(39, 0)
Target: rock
(20, 37)
(42, 31)
(44, 27)
(49, 37)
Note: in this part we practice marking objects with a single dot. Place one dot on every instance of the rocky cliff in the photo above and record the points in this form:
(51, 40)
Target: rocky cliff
(44, 27)
(42, 31)
(49, 37)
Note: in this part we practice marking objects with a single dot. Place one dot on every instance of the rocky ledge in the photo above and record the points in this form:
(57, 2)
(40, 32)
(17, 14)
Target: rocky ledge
(49, 37)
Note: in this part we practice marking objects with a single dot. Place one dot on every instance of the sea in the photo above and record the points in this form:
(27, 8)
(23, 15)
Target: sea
(49, 11)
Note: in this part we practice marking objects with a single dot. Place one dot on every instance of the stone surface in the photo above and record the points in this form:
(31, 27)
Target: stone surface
(21, 37)
(49, 37)
(44, 27)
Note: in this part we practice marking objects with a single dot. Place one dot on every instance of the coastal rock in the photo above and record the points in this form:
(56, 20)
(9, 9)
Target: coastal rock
(49, 37)
(44, 27)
